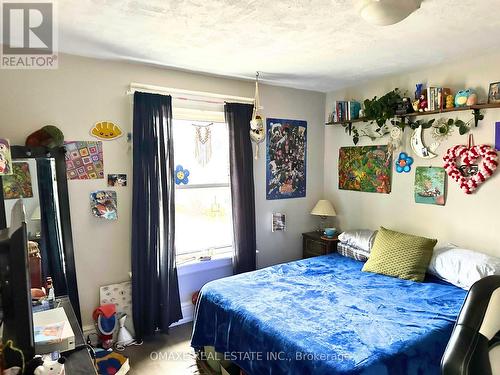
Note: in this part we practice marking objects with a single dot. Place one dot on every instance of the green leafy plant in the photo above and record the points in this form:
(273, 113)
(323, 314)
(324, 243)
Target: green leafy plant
(380, 110)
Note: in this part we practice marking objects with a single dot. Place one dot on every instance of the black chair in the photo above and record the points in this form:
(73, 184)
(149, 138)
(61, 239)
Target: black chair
(474, 346)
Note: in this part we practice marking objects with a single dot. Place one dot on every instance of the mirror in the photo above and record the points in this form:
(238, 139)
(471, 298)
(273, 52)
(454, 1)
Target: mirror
(34, 182)
(39, 180)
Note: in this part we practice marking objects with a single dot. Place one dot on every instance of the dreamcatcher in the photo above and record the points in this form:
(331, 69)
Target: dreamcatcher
(257, 131)
(203, 143)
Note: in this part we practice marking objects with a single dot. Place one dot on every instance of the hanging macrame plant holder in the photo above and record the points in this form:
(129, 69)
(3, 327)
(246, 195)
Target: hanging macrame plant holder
(203, 144)
(257, 131)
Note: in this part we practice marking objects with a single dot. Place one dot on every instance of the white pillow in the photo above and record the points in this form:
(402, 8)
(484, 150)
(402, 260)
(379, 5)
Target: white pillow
(462, 267)
(361, 238)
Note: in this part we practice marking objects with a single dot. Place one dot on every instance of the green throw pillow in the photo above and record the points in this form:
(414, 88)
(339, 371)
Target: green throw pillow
(399, 254)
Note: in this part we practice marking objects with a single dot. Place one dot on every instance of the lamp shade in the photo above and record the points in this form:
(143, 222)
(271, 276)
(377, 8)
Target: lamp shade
(386, 12)
(323, 208)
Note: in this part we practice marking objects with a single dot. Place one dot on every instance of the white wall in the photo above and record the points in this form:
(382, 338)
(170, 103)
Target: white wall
(470, 221)
(83, 91)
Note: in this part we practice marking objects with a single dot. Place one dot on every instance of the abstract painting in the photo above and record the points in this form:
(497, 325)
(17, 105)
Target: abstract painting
(84, 160)
(103, 204)
(18, 184)
(366, 169)
(430, 185)
(286, 159)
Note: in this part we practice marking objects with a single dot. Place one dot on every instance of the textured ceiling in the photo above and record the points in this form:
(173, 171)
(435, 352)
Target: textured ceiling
(319, 45)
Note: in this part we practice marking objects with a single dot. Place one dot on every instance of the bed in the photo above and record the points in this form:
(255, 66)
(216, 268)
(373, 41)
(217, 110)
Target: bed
(323, 315)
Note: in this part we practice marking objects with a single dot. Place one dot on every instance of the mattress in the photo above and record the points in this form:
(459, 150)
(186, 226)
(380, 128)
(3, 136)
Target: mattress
(322, 315)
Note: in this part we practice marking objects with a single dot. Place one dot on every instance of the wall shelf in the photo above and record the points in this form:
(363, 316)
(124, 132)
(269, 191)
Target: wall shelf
(476, 109)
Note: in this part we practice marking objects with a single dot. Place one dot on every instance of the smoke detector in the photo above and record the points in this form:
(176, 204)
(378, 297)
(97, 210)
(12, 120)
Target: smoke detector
(386, 12)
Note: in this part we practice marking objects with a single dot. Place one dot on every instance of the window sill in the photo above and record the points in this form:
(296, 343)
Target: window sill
(194, 266)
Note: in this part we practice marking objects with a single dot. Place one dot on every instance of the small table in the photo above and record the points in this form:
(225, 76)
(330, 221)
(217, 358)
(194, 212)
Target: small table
(78, 361)
(315, 244)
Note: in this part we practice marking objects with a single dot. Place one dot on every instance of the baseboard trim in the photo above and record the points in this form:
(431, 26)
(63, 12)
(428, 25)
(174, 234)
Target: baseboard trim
(187, 313)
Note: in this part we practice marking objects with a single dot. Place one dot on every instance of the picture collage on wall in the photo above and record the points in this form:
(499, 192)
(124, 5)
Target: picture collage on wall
(286, 159)
(85, 161)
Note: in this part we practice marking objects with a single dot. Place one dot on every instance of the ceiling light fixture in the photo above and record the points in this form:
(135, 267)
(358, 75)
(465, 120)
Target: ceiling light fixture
(386, 12)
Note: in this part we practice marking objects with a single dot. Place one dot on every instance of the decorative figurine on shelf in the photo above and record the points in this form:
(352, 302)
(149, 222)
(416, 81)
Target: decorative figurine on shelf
(404, 106)
(462, 96)
(422, 103)
(415, 105)
(418, 90)
(449, 102)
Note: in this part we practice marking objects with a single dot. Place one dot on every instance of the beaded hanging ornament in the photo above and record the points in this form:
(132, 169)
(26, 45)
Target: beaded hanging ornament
(203, 144)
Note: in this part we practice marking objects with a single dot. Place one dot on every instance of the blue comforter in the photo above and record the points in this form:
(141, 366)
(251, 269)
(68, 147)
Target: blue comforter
(324, 316)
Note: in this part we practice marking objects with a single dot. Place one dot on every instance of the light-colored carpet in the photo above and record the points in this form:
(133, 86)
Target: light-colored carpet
(166, 354)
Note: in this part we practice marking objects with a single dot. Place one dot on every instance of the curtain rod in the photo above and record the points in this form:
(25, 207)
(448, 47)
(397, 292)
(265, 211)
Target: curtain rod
(196, 96)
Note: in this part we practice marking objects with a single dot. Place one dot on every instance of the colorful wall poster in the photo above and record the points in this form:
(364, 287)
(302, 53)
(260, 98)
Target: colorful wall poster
(18, 184)
(5, 157)
(430, 185)
(366, 168)
(84, 160)
(286, 159)
(497, 136)
(103, 204)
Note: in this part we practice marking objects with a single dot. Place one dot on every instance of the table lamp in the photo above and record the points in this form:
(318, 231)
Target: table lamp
(323, 209)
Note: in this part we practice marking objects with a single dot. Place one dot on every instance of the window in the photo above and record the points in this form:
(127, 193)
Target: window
(203, 217)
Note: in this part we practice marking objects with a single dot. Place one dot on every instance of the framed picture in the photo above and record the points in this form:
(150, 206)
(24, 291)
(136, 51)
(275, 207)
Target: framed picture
(278, 222)
(103, 204)
(494, 93)
(18, 184)
(5, 158)
(117, 179)
(286, 159)
(366, 168)
(430, 185)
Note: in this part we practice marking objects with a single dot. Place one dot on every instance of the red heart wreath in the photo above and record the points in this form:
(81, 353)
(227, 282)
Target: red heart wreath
(468, 155)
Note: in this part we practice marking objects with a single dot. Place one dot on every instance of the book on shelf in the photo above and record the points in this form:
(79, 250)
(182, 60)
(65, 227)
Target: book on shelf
(436, 97)
(345, 111)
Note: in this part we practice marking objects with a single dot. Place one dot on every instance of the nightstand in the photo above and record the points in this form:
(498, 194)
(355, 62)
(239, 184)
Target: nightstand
(314, 244)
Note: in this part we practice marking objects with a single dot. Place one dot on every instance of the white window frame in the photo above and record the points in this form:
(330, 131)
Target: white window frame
(224, 250)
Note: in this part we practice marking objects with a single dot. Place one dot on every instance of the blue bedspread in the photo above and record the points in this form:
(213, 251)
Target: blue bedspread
(324, 316)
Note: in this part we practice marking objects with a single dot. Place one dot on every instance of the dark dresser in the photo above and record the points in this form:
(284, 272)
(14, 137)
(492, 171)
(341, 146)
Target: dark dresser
(314, 244)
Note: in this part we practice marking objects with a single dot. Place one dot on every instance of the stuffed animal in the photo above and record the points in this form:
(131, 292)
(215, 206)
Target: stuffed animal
(48, 136)
(422, 103)
(37, 366)
(472, 99)
(462, 96)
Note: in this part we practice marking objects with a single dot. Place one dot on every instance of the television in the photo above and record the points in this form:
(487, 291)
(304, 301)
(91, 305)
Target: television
(16, 316)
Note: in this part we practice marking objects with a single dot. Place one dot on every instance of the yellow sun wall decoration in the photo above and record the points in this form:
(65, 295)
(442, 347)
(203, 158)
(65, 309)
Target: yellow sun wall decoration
(106, 131)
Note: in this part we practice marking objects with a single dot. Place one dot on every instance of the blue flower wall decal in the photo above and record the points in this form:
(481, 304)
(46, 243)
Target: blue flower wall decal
(181, 175)
(404, 162)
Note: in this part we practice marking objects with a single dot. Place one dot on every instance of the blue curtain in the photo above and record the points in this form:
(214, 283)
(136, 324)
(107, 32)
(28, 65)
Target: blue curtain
(155, 289)
(51, 248)
(238, 118)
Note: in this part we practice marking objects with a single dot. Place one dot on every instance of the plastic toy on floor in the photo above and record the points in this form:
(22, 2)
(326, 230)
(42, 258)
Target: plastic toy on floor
(111, 363)
(105, 323)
